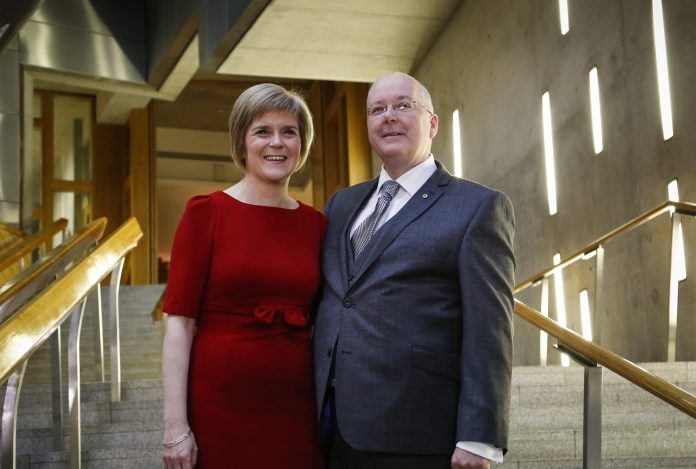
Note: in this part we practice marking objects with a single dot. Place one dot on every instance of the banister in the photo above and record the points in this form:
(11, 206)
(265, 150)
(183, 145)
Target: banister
(18, 290)
(15, 253)
(29, 327)
(684, 208)
(668, 392)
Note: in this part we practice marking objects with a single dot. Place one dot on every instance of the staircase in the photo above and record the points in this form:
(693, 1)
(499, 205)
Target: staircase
(638, 431)
(119, 435)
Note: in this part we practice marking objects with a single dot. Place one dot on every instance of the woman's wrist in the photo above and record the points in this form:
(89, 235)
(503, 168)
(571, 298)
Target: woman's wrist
(174, 428)
(179, 439)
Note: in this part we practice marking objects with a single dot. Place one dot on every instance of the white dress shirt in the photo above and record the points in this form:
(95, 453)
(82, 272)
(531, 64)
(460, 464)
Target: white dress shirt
(411, 181)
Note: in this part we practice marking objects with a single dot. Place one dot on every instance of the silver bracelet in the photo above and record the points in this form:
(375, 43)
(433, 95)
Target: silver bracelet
(176, 441)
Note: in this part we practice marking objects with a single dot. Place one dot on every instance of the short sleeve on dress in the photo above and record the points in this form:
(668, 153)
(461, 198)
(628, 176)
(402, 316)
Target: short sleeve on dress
(190, 259)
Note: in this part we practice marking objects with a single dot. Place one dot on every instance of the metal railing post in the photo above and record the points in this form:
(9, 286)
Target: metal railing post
(57, 389)
(74, 385)
(8, 459)
(592, 419)
(592, 408)
(114, 330)
(98, 337)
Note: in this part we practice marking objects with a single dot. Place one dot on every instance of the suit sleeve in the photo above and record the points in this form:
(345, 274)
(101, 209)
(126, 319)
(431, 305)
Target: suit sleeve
(486, 271)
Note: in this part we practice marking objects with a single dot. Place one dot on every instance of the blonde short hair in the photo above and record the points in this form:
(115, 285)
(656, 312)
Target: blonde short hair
(263, 98)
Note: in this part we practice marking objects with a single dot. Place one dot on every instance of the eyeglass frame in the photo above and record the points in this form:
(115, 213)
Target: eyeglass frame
(395, 108)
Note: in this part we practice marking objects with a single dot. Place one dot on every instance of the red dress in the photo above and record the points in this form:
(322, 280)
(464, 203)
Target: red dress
(249, 274)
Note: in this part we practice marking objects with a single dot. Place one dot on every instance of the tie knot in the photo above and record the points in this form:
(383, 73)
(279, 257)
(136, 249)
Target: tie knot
(389, 188)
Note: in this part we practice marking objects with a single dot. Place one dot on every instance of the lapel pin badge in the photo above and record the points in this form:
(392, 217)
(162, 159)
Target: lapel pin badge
(425, 196)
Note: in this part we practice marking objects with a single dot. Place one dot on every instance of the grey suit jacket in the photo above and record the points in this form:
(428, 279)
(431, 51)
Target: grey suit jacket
(421, 324)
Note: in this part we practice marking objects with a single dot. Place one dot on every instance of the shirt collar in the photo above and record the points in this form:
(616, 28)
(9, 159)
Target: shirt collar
(414, 178)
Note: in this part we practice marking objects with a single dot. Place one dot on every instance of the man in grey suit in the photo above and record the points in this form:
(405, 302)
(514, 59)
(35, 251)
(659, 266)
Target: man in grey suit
(413, 337)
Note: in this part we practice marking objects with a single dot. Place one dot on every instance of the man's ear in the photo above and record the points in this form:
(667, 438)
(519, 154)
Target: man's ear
(434, 122)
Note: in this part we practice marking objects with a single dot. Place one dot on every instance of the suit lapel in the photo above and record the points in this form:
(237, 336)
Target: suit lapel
(421, 201)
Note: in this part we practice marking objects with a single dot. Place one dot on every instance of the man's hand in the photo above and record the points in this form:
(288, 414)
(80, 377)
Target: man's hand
(462, 459)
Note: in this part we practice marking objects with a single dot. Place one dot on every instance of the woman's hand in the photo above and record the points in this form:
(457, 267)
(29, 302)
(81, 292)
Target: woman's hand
(183, 455)
(175, 365)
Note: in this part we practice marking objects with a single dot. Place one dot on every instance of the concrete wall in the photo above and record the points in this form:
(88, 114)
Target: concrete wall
(10, 131)
(493, 62)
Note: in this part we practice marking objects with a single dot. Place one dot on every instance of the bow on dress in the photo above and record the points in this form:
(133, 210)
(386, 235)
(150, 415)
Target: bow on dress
(292, 315)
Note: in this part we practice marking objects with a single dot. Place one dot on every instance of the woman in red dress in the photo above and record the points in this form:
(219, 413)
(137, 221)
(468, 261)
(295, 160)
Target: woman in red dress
(236, 360)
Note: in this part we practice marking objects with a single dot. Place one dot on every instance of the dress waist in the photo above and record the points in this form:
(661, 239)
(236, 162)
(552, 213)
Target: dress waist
(266, 314)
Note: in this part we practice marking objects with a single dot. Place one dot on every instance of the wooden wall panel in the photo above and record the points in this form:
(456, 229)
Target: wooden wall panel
(140, 192)
(110, 166)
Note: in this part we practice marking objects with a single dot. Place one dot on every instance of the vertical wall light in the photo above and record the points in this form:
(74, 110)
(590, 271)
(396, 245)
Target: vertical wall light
(677, 273)
(679, 254)
(457, 144)
(548, 153)
(662, 70)
(585, 315)
(560, 301)
(543, 336)
(596, 112)
(563, 12)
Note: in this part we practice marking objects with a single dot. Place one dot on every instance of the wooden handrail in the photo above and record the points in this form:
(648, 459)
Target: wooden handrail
(684, 208)
(668, 392)
(10, 236)
(32, 280)
(30, 243)
(29, 327)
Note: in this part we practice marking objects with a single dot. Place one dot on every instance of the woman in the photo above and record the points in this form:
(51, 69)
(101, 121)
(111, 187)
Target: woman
(236, 361)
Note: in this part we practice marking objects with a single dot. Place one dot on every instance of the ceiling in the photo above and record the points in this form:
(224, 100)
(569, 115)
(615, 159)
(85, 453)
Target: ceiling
(339, 40)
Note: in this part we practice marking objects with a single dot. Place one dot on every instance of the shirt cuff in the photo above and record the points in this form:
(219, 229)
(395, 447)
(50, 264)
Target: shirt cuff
(484, 450)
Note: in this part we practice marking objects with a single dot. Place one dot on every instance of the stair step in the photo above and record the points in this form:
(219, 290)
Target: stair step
(111, 458)
(616, 443)
(607, 463)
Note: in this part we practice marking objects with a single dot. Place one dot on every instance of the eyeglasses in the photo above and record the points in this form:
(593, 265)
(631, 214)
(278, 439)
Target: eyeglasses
(404, 106)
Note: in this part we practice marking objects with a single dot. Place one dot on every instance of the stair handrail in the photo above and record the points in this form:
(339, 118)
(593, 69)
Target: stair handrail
(668, 392)
(37, 276)
(685, 208)
(31, 242)
(10, 236)
(32, 325)
(29, 327)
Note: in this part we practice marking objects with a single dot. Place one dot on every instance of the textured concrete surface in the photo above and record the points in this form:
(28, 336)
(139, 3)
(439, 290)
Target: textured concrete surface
(493, 62)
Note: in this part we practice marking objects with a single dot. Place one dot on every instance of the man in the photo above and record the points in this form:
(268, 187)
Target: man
(413, 339)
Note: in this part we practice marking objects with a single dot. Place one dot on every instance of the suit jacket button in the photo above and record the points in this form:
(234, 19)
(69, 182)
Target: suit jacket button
(328, 352)
(350, 277)
(347, 303)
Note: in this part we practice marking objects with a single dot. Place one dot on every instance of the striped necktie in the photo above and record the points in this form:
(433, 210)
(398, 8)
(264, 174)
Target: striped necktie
(368, 227)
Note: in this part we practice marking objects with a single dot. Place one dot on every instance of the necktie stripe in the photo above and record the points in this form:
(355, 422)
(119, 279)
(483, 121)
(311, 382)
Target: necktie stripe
(367, 228)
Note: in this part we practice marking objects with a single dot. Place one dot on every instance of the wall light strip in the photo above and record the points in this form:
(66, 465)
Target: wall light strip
(596, 112)
(560, 301)
(673, 190)
(548, 153)
(563, 11)
(662, 70)
(585, 315)
(543, 336)
(457, 144)
(679, 260)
